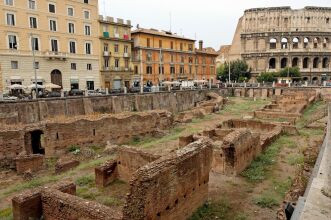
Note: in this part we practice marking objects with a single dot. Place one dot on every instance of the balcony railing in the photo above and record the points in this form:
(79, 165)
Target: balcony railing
(117, 69)
(126, 55)
(56, 55)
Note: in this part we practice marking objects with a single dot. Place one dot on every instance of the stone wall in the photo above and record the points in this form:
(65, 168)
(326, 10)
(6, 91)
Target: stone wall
(172, 187)
(26, 112)
(58, 206)
(129, 160)
(32, 162)
(27, 205)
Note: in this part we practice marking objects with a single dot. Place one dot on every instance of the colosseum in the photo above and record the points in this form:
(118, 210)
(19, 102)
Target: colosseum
(270, 39)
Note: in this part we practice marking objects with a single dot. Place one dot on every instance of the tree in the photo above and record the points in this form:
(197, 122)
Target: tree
(290, 72)
(267, 77)
(240, 71)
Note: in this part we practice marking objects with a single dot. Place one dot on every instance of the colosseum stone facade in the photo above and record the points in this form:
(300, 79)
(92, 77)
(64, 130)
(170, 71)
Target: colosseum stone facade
(270, 39)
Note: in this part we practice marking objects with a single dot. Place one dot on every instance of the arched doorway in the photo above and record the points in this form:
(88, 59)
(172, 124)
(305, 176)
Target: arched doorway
(325, 63)
(56, 77)
(37, 142)
(283, 63)
(272, 63)
(316, 62)
(305, 63)
(295, 62)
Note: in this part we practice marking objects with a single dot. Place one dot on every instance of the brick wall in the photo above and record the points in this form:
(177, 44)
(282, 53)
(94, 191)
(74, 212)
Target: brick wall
(172, 187)
(33, 162)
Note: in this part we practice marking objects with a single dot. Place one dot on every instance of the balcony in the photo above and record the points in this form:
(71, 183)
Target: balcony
(119, 69)
(116, 35)
(106, 53)
(56, 55)
(126, 55)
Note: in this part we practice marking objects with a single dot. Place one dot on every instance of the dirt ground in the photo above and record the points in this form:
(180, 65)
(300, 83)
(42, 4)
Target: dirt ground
(242, 197)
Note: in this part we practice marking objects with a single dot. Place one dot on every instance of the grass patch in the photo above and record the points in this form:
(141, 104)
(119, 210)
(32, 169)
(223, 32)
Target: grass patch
(109, 201)
(88, 193)
(6, 214)
(213, 210)
(245, 105)
(259, 168)
(306, 116)
(295, 160)
(281, 187)
(85, 181)
(266, 201)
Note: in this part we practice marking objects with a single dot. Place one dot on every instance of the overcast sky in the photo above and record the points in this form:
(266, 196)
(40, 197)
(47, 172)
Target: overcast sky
(213, 21)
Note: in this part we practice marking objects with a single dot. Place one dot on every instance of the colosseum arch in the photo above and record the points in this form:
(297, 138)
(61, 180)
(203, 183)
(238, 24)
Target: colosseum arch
(295, 43)
(284, 43)
(273, 43)
(326, 42)
(316, 42)
(305, 63)
(325, 63)
(295, 62)
(272, 63)
(316, 62)
(306, 42)
(283, 62)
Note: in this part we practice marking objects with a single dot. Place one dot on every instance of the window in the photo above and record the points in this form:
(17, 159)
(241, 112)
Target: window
(12, 42)
(14, 65)
(32, 4)
(126, 64)
(52, 25)
(172, 45)
(87, 30)
(10, 2)
(149, 69)
(70, 11)
(33, 22)
(160, 43)
(89, 66)
(116, 48)
(86, 1)
(106, 62)
(71, 27)
(172, 70)
(54, 45)
(86, 14)
(36, 65)
(148, 42)
(35, 43)
(181, 70)
(327, 20)
(51, 8)
(117, 63)
(72, 45)
(88, 48)
(73, 66)
(135, 69)
(190, 47)
(126, 48)
(172, 58)
(10, 19)
(90, 85)
(181, 46)
(161, 69)
(105, 47)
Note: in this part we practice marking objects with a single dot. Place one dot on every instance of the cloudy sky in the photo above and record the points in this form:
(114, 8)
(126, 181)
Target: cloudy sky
(214, 21)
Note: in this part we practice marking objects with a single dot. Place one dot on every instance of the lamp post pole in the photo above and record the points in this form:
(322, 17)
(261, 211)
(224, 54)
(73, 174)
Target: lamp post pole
(34, 63)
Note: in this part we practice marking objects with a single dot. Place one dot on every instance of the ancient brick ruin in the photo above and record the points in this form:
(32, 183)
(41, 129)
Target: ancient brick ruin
(54, 138)
(32, 163)
(170, 187)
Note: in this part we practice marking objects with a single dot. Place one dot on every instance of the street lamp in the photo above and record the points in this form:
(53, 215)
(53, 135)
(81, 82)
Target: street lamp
(34, 63)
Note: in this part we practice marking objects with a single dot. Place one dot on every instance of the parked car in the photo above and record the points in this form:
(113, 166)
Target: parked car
(94, 93)
(147, 89)
(76, 92)
(134, 90)
(53, 94)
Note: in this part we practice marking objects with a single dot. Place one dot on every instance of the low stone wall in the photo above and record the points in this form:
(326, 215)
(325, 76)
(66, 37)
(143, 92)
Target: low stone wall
(129, 160)
(63, 166)
(32, 162)
(172, 187)
(28, 205)
(239, 148)
(59, 206)
(106, 173)
(27, 112)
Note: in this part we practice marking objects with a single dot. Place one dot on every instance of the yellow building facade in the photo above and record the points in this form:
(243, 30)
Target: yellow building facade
(163, 56)
(115, 57)
(64, 35)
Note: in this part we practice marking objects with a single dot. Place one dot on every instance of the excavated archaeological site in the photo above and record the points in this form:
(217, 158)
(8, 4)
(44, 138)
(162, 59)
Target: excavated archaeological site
(222, 154)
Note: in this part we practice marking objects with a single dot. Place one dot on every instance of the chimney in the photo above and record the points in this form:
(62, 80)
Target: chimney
(200, 45)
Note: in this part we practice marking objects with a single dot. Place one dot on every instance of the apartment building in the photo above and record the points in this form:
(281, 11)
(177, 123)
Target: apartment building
(115, 46)
(62, 33)
(163, 56)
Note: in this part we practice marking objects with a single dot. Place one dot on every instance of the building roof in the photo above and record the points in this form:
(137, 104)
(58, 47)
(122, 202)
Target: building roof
(208, 50)
(160, 33)
(224, 49)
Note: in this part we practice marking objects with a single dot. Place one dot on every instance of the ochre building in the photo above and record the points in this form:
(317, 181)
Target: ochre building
(64, 35)
(163, 56)
(115, 46)
(270, 39)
